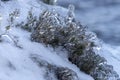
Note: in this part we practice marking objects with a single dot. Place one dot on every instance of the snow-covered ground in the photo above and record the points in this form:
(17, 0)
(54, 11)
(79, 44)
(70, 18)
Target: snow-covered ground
(15, 62)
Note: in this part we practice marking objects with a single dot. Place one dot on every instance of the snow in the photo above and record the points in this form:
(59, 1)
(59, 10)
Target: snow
(104, 19)
(15, 62)
(24, 67)
(111, 53)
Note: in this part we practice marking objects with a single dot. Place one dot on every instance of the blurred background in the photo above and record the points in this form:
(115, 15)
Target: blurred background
(101, 17)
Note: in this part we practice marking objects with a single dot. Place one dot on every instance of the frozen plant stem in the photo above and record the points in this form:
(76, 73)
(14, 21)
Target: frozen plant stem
(10, 38)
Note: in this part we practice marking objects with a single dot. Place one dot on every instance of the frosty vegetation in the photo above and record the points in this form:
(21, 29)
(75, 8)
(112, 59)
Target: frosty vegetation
(54, 30)
(11, 23)
(54, 72)
(30, 23)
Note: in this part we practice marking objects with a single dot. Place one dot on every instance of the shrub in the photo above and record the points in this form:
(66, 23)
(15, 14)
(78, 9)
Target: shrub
(55, 30)
(104, 72)
(53, 71)
(30, 22)
(87, 61)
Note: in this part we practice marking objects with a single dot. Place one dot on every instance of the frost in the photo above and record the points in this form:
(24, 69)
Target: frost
(71, 14)
(74, 38)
